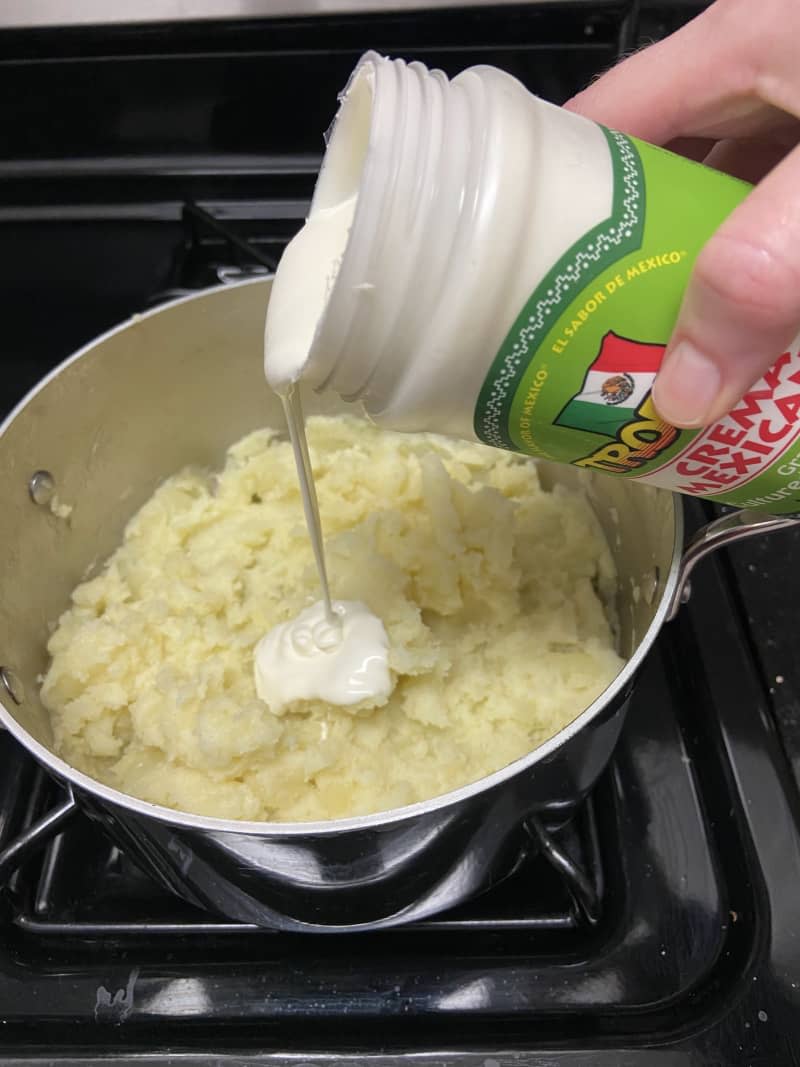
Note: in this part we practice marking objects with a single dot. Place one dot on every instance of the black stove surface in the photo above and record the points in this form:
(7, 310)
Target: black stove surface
(672, 935)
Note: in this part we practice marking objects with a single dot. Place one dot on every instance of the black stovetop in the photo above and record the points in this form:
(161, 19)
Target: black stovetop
(690, 845)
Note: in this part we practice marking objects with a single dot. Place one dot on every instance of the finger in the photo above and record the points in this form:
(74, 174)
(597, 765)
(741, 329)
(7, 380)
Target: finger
(748, 159)
(742, 306)
(723, 74)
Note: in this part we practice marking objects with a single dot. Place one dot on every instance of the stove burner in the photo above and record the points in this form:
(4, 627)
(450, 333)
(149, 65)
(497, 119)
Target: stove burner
(86, 887)
(212, 253)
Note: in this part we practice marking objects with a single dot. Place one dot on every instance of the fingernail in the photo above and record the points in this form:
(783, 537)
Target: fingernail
(687, 386)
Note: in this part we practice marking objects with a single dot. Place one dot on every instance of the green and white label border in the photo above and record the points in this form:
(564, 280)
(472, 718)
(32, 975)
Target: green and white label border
(594, 252)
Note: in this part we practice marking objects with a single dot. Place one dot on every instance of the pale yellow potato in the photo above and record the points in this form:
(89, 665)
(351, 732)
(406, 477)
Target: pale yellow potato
(491, 591)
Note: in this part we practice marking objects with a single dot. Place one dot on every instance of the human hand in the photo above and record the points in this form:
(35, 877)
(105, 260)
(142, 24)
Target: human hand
(725, 89)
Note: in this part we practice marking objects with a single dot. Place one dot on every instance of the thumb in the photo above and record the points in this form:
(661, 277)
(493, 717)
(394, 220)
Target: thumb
(741, 309)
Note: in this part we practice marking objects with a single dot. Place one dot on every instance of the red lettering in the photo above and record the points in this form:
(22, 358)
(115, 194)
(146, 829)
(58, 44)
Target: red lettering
(751, 405)
(766, 433)
(726, 435)
(789, 406)
(698, 488)
(739, 463)
(706, 453)
(684, 468)
(773, 375)
(756, 446)
(719, 478)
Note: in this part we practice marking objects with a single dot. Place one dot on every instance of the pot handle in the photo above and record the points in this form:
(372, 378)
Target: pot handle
(737, 526)
(35, 836)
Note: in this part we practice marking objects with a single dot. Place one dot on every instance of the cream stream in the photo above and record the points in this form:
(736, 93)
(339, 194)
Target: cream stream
(296, 423)
(332, 651)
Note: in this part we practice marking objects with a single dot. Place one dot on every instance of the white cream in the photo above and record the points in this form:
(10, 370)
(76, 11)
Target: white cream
(296, 423)
(336, 652)
(341, 661)
(300, 291)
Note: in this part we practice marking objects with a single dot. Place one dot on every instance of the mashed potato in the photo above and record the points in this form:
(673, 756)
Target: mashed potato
(491, 591)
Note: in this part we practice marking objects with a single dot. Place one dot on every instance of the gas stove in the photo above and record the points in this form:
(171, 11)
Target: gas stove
(662, 925)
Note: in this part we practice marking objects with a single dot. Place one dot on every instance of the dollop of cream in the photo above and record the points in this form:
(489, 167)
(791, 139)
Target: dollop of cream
(343, 661)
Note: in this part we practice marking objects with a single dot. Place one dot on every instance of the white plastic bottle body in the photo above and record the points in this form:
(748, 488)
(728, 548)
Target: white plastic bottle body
(470, 191)
(483, 264)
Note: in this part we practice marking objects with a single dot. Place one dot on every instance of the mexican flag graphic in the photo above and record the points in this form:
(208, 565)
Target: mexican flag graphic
(615, 385)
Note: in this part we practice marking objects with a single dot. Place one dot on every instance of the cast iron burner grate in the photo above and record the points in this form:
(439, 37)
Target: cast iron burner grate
(85, 886)
(211, 252)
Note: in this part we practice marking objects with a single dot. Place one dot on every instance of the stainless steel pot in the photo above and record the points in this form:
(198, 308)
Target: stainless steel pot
(178, 386)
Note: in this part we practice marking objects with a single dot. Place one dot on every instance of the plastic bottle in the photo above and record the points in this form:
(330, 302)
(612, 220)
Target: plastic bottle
(481, 263)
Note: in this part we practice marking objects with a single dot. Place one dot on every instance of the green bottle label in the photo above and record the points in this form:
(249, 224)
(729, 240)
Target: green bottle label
(572, 380)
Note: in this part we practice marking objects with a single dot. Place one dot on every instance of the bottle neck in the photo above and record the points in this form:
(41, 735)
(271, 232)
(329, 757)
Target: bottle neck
(416, 194)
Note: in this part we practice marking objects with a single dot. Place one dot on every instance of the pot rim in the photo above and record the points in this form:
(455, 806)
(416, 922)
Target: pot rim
(377, 820)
